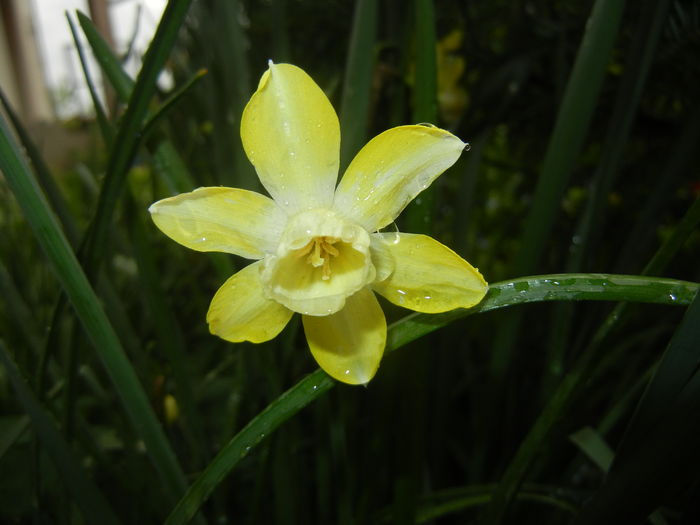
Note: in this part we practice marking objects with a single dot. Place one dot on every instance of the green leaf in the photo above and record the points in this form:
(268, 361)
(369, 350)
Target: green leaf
(111, 67)
(557, 287)
(594, 447)
(129, 134)
(102, 121)
(154, 119)
(659, 453)
(419, 214)
(357, 85)
(88, 308)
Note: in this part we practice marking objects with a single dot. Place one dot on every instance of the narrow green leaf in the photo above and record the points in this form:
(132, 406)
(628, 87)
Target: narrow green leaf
(357, 85)
(85, 494)
(557, 287)
(102, 121)
(154, 119)
(43, 173)
(636, 70)
(590, 227)
(570, 130)
(266, 422)
(171, 340)
(592, 444)
(111, 67)
(88, 307)
(659, 453)
(681, 159)
(129, 134)
(584, 368)
(419, 214)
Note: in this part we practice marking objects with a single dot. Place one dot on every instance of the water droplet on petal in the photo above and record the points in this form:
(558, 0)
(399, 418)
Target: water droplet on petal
(467, 146)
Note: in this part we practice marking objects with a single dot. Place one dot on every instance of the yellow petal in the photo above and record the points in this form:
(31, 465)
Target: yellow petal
(391, 170)
(291, 134)
(221, 219)
(349, 344)
(428, 277)
(240, 312)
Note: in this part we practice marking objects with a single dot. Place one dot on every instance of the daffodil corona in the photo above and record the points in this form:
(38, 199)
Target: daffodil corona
(317, 247)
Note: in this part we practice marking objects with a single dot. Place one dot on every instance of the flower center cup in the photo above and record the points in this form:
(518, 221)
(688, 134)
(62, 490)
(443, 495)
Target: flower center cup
(321, 260)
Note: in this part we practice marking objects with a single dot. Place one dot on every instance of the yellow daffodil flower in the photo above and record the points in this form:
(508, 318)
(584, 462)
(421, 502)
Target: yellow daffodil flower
(317, 247)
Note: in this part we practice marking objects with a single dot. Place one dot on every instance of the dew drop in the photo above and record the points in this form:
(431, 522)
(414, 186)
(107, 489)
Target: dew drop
(315, 387)
(467, 146)
(395, 228)
(427, 297)
(672, 297)
(401, 292)
(347, 372)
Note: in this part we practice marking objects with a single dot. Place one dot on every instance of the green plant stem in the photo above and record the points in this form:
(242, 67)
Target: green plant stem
(556, 287)
(357, 86)
(419, 213)
(129, 136)
(88, 308)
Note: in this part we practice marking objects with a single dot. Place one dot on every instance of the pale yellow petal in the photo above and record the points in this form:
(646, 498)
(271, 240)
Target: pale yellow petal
(221, 219)
(240, 312)
(391, 170)
(428, 277)
(349, 344)
(382, 259)
(291, 134)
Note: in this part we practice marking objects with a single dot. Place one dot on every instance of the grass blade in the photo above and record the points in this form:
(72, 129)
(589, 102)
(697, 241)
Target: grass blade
(129, 135)
(102, 121)
(557, 287)
(89, 310)
(419, 213)
(154, 119)
(122, 83)
(357, 86)
(570, 129)
(659, 452)
(573, 119)
(44, 175)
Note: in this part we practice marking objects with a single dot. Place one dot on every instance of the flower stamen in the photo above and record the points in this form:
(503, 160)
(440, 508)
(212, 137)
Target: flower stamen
(318, 252)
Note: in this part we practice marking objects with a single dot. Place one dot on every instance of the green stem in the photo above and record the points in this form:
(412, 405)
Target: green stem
(556, 287)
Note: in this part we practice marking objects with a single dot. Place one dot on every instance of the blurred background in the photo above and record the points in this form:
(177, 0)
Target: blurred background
(583, 159)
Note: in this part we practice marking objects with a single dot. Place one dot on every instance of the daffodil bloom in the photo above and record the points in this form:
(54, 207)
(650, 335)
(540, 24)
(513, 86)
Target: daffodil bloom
(317, 248)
